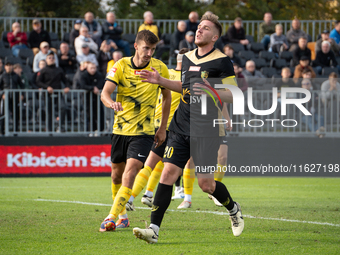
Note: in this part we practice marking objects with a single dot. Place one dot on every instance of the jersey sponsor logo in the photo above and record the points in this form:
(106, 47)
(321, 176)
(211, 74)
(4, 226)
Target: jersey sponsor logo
(137, 72)
(112, 72)
(194, 68)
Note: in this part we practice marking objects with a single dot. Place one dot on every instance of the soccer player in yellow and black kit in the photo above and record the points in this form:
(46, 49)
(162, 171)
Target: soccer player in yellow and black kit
(153, 166)
(193, 138)
(133, 129)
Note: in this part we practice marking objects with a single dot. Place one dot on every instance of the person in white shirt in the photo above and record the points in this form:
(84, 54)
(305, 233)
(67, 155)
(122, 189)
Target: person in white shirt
(84, 38)
(86, 55)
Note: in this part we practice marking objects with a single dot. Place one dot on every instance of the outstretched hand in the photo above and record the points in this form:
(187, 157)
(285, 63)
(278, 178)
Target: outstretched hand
(151, 77)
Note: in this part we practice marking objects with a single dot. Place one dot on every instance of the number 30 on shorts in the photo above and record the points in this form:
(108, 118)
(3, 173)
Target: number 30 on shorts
(168, 152)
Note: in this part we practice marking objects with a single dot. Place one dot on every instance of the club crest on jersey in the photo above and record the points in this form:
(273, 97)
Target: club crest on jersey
(204, 74)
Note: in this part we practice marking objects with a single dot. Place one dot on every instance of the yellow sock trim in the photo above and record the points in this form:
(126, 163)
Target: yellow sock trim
(218, 175)
(188, 180)
(121, 199)
(141, 180)
(155, 176)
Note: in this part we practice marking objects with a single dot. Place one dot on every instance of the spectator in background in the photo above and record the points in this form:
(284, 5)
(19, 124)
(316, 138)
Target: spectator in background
(278, 41)
(24, 79)
(86, 55)
(177, 37)
(241, 81)
(229, 51)
(330, 88)
(51, 77)
(92, 81)
(67, 61)
(335, 33)
(94, 27)
(9, 80)
(112, 31)
(44, 50)
(42, 65)
(266, 29)
(192, 22)
(84, 38)
(325, 37)
(294, 34)
(315, 122)
(75, 32)
(285, 81)
(1, 67)
(301, 50)
(188, 42)
(325, 57)
(252, 76)
(236, 33)
(116, 55)
(76, 78)
(104, 57)
(151, 26)
(17, 39)
(37, 36)
(303, 65)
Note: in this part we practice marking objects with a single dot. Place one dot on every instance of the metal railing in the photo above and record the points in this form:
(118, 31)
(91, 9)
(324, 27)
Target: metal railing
(130, 26)
(37, 113)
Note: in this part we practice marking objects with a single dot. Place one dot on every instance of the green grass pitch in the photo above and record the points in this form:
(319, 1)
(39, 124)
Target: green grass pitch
(282, 216)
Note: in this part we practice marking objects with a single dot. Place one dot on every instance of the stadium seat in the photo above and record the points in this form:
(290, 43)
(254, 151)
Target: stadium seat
(66, 37)
(4, 39)
(5, 53)
(55, 44)
(268, 71)
(256, 47)
(327, 70)
(237, 47)
(2, 45)
(260, 62)
(275, 77)
(278, 63)
(245, 54)
(243, 62)
(311, 46)
(14, 60)
(250, 38)
(130, 38)
(267, 55)
(54, 36)
(26, 53)
(287, 55)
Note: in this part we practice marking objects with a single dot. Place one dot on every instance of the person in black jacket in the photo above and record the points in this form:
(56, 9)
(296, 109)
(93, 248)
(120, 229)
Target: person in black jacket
(67, 61)
(111, 30)
(10, 80)
(92, 81)
(51, 78)
(104, 56)
(301, 51)
(177, 37)
(37, 36)
(325, 57)
(236, 33)
(75, 32)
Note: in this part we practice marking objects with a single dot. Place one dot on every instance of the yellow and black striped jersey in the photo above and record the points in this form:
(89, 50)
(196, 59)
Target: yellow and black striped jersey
(175, 98)
(138, 98)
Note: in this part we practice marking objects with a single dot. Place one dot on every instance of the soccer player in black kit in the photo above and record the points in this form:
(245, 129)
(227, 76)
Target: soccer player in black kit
(191, 135)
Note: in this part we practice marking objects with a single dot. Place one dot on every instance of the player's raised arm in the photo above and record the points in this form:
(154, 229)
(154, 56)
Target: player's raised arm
(155, 78)
(105, 96)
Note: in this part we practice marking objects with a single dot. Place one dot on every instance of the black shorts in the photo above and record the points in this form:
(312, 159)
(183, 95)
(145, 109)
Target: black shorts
(125, 147)
(223, 140)
(202, 149)
(159, 151)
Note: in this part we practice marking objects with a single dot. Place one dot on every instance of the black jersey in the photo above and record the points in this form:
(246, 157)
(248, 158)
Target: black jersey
(188, 120)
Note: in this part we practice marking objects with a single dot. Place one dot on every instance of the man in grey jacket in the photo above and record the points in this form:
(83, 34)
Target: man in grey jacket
(330, 88)
(278, 40)
(294, 34)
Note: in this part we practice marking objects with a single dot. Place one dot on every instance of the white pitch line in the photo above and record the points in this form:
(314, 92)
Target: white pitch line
(197, 211)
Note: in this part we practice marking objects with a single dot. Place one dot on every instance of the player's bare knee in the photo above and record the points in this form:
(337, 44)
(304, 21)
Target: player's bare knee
(222, 159)
(206, 185)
